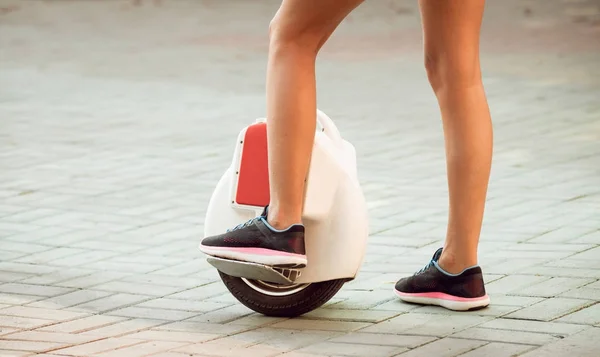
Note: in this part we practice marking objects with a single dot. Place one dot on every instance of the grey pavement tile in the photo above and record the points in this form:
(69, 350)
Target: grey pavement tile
(203, 327)
(96, 347)
(352, 349)
(176, 336)
(552, 287)
(143, 349)
(19, 322)
(550, 309)
(497, 349)
(70, 299)
(507, 336)
(414, 323)
(285, 339)
(352, 315)
(583, 293)
(182, 305)
(83, 324)
(446, 347)
(30, 289)
(583, 344)
(588, 316)
(554, 328)
(57, 276)
(40, 313)
(7, 276)
(111, 302)
(590, 254)
(410, 341)
(137, 288)
(152, 313)
(30, 346)
(124, 327)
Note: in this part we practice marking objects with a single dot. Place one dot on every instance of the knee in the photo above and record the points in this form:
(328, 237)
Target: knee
(447, 70)
(286, 36)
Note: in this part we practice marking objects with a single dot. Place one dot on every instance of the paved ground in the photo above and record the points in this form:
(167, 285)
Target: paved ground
(117, 118)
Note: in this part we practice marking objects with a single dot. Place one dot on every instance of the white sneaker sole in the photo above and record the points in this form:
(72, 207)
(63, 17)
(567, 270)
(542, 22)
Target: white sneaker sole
(255, 255)
(444, 300)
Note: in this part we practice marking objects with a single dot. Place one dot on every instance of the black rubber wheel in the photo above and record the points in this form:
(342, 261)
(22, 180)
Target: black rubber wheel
(305, 299)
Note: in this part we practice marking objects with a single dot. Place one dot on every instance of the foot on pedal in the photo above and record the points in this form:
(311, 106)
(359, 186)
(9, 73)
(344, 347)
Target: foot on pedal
(282, 274)
(256, 241)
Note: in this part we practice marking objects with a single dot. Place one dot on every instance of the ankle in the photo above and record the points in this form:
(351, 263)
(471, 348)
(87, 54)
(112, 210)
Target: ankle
(278, 220)
(454, 264)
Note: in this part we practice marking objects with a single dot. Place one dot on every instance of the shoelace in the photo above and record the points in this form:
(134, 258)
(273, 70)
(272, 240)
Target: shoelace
(243, 225)
(425, 267)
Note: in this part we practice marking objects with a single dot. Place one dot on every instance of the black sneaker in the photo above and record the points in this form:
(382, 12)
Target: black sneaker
(256, 241)
(434, 286)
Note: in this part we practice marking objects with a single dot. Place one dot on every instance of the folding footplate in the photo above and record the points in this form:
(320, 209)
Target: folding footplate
(282, 274)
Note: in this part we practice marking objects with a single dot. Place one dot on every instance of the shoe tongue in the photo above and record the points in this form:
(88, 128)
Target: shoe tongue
(265, 211)
(437, 255)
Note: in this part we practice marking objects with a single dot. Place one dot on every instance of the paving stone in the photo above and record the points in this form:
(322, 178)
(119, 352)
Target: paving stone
(77, 297)
(589, 316)
(143, 349)
(96, 347)
(42, 336)
(29, 289)
(124, 327)
(513, 283)
(153, 313)
(137, 288)
(227, 314)
(351, 315)
(57, 276)
(512, 300)
(352, 349)
(583, 344)
(7, 277)
(111, 302)
(590, 254)
(553, 287)
(495, 335)
(550, 309)
(384, 339)
(186, 326)
(33, 346)
(256, 320)
(183, 305)
(284, 339)
(175, 336)
(554, 328)
(446, 347)
(13, 353)
(496, 349)
(320, 325)
(23, 322)
(92, 279)
(84, 324)
(228, 350)
(6, 330)
(46, 314)
(426, 324)
(583, 293)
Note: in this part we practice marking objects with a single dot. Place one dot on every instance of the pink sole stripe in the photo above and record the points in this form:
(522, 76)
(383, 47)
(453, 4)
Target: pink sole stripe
(257, 251)
(441, 296)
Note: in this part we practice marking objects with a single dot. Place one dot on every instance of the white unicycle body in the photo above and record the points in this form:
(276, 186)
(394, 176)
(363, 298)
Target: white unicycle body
(334, 216)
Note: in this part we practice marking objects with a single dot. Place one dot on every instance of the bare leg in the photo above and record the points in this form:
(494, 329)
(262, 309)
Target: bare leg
(297, 32)
(451, 33)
